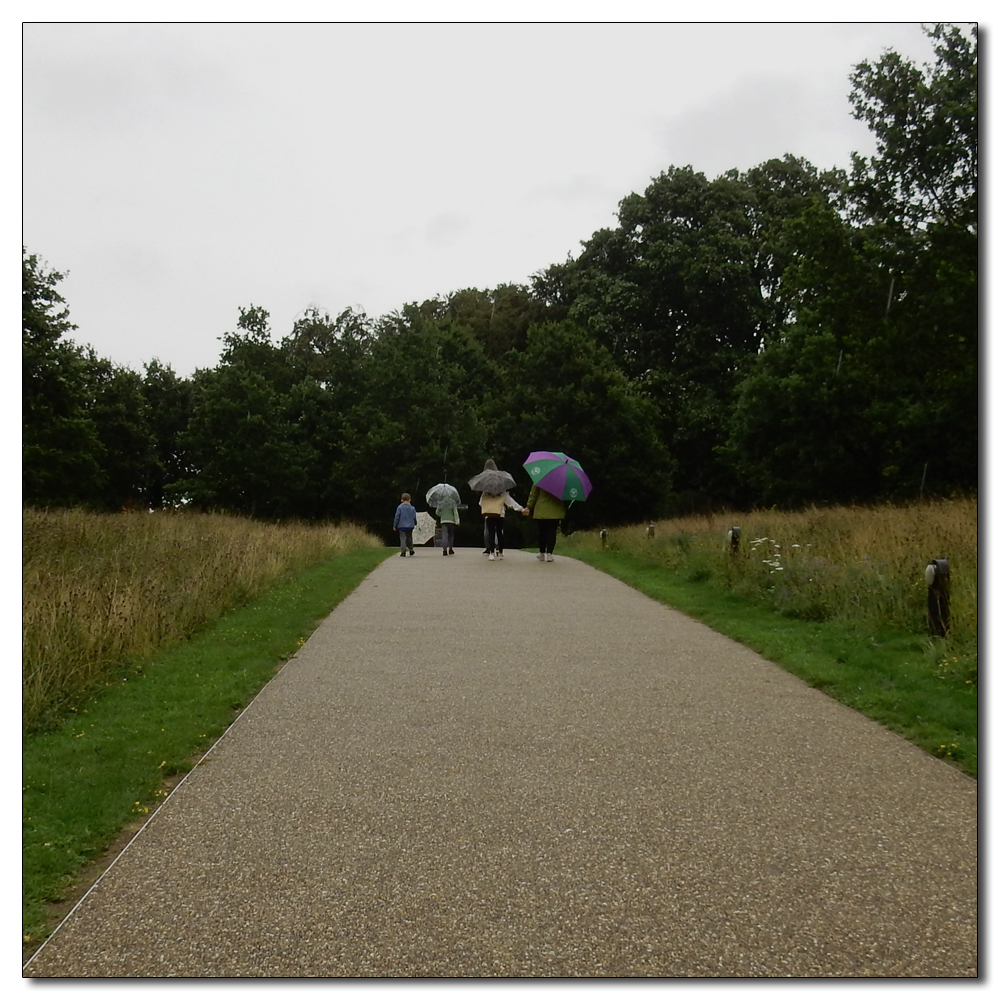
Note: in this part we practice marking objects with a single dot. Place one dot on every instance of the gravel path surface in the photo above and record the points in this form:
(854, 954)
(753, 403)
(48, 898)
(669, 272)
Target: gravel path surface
(518, 769)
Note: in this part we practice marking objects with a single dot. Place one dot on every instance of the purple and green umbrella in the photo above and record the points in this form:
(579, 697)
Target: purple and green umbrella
(558, 474)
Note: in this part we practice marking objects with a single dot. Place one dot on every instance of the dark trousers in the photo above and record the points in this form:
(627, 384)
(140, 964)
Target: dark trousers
(547, 534)
(405, 539)
(494, 533)
(447, 535)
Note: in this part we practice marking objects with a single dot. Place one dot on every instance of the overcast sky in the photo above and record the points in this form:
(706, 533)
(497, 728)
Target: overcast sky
(180, 171)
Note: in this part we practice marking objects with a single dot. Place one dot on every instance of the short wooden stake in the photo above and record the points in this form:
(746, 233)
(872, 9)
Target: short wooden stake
(734, 540)
(938, 577)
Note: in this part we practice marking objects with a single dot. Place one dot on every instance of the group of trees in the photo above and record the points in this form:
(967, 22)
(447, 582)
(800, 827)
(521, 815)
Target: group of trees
(780, 336)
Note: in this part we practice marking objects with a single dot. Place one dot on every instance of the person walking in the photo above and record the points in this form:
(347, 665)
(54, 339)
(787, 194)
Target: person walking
(493, 507)
(493, 486)
(548, 510)
(448, 516)
(404, 522)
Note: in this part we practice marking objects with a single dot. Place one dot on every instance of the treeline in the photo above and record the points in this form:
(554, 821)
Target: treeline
(780, 336)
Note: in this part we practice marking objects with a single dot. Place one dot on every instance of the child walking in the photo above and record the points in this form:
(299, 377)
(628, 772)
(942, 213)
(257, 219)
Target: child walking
(404, 522)
(492, 505)
(448, 515)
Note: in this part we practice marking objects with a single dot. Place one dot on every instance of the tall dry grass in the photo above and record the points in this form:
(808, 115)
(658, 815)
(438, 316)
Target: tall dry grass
(861, 564)
(100, 591)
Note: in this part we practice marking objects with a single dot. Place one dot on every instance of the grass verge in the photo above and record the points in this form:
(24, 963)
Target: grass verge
(100, 591)
(103, 770)
(889, 674)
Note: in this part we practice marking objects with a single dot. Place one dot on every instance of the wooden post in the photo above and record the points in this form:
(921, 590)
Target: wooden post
(938, 577)
(651, 530)
(734, 540)
(604, 538)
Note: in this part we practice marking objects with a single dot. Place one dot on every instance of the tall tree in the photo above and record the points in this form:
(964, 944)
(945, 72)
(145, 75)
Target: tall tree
(685, 291)
(871, 391)
(919, 195)
(925, 171)
(61, 449)
(499, 319)
(168, 411)
(246, 451)
(420, 420)
(564, 393)
(120, 413)
(329, 359)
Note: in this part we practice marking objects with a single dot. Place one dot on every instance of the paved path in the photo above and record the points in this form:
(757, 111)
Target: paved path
(520, 769)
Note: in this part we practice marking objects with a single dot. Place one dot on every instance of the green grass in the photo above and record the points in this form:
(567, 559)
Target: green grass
(105, 767)
(890, 675)
(99, 591)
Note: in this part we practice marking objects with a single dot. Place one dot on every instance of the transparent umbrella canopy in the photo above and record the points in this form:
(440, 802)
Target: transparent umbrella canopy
(441, 494)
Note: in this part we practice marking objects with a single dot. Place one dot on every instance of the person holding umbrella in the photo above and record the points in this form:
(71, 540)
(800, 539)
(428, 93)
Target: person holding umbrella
(548, 510)
(448, 516)
(444, 498)
(556, 478)
(493, 485)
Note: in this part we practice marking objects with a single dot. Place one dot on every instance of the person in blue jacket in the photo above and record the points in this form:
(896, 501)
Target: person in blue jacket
(404, 522)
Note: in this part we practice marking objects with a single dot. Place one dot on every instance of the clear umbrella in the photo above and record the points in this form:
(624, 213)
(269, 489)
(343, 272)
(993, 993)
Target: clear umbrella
(443, 493)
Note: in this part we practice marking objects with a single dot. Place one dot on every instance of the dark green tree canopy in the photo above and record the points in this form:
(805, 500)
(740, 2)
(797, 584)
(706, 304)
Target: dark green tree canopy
(926, 123)
(782, 335)
(61, 450)
(564, 393)
(873, 389)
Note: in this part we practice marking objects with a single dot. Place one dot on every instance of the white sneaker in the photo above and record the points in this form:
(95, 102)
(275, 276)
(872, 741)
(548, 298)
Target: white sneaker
(540, 557)
(492, 557)
(548, 557)
(499, 555)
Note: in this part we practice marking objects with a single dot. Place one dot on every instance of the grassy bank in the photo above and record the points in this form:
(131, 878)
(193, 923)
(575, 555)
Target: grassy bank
(103, 592)
(835, 596)
(93, 775)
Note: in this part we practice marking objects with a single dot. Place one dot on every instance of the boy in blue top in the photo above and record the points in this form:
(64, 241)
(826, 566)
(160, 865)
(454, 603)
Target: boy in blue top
(404, 522)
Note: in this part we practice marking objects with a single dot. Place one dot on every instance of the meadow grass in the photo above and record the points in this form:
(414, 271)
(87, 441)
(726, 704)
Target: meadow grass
(146, 634)
(836, 596)
(103, 592)
(106, 765)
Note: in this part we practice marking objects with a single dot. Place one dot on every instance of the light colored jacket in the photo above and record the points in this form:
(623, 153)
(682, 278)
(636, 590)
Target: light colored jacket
(448, 514)
(544, 506)
(494, 503)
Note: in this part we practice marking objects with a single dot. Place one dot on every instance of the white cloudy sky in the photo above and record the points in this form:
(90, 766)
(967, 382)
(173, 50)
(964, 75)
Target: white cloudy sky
(178, 171)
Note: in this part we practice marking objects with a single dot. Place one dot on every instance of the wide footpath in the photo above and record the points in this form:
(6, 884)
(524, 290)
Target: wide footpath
(518, 769)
